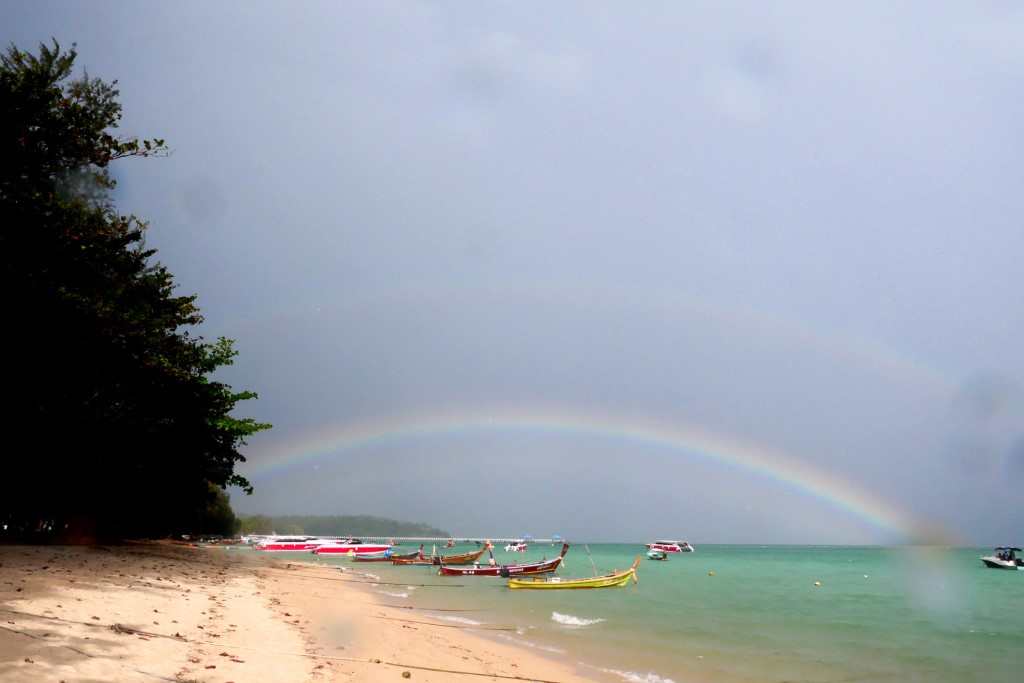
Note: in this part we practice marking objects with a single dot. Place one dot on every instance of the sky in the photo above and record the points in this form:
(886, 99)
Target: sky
(508, 243)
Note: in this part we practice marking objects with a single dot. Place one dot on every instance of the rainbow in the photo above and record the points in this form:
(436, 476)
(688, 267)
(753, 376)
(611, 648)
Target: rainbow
(687, 440)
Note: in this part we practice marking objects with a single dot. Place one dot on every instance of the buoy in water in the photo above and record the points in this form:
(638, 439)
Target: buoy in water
(817, 583)
(711, 573)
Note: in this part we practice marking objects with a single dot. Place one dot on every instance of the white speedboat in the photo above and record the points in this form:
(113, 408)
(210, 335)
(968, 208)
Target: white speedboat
(1004, 558)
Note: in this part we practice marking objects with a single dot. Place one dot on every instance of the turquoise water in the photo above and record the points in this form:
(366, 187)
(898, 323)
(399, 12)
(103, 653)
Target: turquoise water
(879, 613)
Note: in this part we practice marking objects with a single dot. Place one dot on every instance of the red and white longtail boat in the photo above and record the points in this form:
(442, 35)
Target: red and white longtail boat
(671, 546)
(350, 547)
(507, 570)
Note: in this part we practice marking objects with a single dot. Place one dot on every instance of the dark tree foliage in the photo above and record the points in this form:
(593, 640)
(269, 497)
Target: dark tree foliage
(113, 426)
(218, 519)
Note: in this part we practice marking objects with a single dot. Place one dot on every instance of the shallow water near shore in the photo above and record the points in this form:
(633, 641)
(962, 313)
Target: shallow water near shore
(879, 613)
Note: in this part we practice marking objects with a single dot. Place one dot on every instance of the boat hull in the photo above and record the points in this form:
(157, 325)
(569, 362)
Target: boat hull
(382, 556)
(286, 547)
(996, 563)
(361, 549)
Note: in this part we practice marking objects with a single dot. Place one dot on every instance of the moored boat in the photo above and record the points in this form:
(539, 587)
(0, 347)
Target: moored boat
(407, 556)
(516, 547)
(612, 580)
(382, 556)
(671, 546)
(657, 555)
(1004, 558)
(421, 559)
(507, 570)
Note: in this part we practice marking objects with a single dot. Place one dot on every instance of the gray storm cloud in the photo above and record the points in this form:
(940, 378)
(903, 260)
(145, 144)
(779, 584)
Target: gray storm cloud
(795, 225)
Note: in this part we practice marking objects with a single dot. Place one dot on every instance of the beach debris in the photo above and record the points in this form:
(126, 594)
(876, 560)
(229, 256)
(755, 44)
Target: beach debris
(406, 674)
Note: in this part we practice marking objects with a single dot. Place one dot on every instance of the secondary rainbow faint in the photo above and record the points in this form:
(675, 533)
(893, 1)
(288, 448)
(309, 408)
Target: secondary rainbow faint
(336, 440)
(844, 347)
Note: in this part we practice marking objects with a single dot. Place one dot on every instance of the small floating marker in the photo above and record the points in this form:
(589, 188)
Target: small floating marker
(711, 573)
(865, 576)
(817, 583)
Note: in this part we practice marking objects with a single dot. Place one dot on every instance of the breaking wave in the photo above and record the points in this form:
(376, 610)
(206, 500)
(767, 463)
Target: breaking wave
(570, 620)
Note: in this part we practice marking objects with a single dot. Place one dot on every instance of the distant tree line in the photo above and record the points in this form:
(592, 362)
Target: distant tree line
(113, 425)
(333, 525)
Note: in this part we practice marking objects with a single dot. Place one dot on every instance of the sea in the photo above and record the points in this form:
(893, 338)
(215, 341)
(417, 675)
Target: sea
(730, 613)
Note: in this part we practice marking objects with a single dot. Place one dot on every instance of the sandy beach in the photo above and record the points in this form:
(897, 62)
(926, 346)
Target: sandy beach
(164, 611)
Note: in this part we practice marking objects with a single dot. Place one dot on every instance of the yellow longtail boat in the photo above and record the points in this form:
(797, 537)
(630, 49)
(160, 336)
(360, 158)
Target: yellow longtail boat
(617, 578)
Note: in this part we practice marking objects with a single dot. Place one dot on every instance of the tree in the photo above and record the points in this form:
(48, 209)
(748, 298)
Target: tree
(123, 429)
(257, 524)
(218, 518)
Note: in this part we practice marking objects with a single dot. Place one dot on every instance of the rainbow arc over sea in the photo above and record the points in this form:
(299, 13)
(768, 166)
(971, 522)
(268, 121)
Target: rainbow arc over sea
(338, 440)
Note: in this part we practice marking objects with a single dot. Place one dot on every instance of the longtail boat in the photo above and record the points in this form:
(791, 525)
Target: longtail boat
(382, 556)
(464, 558)
(406, 556)
(617, 578)
(507, 570)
